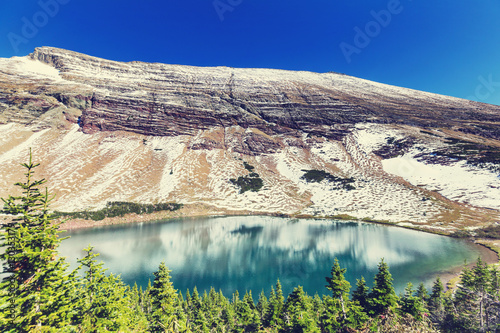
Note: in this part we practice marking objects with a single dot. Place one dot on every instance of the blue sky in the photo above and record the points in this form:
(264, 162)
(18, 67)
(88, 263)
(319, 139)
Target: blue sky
(446, 47)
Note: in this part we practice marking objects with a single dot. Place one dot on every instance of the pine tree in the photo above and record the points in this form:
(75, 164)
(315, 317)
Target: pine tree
(247, 314)
(317, 305)
(276, 303)
(422, 293)
(475, 305)
(329, 317)
(211, 306)
(343, 313)
(493, 308)
(165, 303)
(103, 304)
(411, 303)
(360, 294)
(382, 297)
(436, 301)
(298, 315)
(36, 290)
(228, 315)
(262, 304)
(134, 299)
(339, 286)
(197, 317)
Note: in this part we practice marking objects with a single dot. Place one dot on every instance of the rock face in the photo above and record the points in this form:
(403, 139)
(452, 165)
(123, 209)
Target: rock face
(113, 131)
(165, 100)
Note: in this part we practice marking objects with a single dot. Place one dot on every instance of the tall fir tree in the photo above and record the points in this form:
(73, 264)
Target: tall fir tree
(103, 303)
(247, 314)
(36, 289)
(275, 308)
(339, 287)
(298, 314)
(411, 303)
(382, 297)
(166, 309)
(436, 301)
(360, 294)
(262, 304)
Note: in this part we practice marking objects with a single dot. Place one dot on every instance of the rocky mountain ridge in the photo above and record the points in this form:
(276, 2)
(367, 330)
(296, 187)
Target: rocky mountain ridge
(112, 131)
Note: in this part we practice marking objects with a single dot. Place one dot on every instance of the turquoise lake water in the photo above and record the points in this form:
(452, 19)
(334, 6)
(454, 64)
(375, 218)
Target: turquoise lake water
(252, 252)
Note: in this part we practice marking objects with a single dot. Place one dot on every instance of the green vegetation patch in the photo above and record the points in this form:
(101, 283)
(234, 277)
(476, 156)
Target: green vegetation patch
(119, 208)
(248, 166)
(493, 231)
(247, 183)
(251, 182)
(317, 176)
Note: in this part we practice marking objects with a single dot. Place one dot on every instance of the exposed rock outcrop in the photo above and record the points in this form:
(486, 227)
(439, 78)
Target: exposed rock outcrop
(165, 100)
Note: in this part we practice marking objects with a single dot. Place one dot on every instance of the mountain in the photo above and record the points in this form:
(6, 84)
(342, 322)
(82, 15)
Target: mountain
(248, 140)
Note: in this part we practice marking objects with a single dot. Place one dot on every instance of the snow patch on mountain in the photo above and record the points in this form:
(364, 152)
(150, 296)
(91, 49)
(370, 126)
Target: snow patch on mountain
(458, 181)
(32, 68)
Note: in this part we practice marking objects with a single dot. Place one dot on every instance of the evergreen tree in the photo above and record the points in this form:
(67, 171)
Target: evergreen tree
(212, 306)
(475, 306)
(339, 286)
(262, 304)
(411, 303)
(103, 304)
(493, 307)
(330, 315)
(360, 294)
(422, 293)
(228, 316)
(247, 314)
(276, 303)
(197, 317)
(436, 301)
(317, 306)
(351, 313)
(36, 290)
(134, 299)
(382, 297)
(298, 315)
(146, 301)
(165, 303)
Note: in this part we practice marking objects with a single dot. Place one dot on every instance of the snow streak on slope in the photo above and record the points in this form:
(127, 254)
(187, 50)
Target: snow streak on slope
(459, 181)
(88, 170)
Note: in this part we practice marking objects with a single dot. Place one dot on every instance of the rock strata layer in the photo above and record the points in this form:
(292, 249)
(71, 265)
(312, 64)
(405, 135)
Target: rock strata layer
(165, 100)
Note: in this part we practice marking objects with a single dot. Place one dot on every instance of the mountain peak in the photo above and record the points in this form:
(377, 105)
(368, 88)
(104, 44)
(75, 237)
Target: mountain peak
(253, 140)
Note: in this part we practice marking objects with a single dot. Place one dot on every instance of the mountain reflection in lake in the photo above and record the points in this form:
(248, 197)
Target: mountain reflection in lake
(252, 252)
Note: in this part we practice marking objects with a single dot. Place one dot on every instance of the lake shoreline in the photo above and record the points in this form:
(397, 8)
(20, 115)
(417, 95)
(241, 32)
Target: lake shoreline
(371, 246)
(490, 255)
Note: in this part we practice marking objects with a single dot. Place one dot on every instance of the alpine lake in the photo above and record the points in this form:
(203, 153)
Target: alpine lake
(252, 252)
